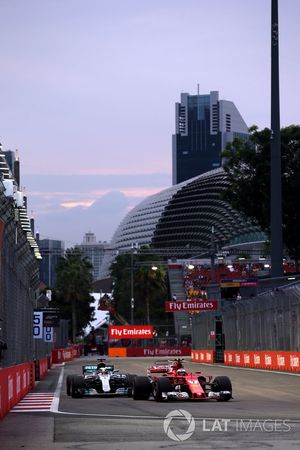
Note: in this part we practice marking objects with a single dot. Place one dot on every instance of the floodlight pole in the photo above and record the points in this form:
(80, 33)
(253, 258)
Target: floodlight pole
(276, 181)
(131, 288)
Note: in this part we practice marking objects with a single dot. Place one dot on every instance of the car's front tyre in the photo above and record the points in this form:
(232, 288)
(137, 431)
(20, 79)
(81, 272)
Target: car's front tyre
(77, 387)
(221, 384)
(69, 381)
(161, 385)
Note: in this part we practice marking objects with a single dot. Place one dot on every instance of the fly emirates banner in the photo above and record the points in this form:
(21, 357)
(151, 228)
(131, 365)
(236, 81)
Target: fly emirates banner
(130, 332)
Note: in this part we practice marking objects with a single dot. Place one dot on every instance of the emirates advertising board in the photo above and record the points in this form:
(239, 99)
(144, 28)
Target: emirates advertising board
(130, 332)
(196, 305)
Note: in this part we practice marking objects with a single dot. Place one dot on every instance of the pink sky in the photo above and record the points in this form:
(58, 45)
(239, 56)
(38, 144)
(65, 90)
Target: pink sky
(89, 87)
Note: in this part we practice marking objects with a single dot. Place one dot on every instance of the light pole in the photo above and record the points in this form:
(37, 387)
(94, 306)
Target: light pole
(212, 256)
(133, 249)
(276, 183)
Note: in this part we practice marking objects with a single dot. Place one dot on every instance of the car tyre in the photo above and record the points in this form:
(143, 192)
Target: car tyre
(161, 385)
(77, 387)
(130, 381)
(141, 388)
(222, 384)
(69, 384)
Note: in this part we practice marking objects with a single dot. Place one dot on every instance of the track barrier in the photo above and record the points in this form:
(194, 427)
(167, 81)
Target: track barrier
(148, 351)
(273, 360)
(207, 356)
(15, 383)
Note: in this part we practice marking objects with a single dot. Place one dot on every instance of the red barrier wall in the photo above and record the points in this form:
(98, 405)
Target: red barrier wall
(163, 351)
(275, 360)
(60, 355)
(203, 356)
(15, 382)
(43, 367)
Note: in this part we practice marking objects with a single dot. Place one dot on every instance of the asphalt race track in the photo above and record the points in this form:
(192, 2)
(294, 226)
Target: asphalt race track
(264, 414)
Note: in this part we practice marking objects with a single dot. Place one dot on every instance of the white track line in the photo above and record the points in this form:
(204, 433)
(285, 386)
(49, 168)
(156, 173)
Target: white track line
(55, 402)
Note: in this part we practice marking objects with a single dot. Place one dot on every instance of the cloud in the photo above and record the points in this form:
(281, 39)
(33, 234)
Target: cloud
(66, 207)
(70, 224)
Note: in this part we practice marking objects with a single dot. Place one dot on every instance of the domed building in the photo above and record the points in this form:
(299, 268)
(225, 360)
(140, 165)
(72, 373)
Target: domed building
(182, 217)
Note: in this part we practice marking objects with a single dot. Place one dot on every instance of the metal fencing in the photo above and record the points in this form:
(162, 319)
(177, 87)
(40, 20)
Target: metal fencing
(19, 283)
(270, 321)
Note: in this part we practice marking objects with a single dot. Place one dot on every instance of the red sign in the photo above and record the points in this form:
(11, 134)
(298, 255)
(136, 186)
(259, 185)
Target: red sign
(163, 351)
(201, 305)
(130, 331)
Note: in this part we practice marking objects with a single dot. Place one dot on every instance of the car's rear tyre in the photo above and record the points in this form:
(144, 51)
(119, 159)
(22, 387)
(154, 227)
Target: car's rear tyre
(77, 386)
(161, 385)
(222, 384)
(130, 381)
(141, 388)
(69, 384)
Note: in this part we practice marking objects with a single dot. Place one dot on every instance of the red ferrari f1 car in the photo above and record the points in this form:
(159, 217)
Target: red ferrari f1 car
(168, 380)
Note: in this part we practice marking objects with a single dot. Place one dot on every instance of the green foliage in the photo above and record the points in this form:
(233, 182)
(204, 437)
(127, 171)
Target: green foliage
(74, 284)
(247, 164)
(150, 287)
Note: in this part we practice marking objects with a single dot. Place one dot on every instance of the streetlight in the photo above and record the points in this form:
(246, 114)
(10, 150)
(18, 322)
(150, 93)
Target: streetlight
(212, 256)
(133, 250)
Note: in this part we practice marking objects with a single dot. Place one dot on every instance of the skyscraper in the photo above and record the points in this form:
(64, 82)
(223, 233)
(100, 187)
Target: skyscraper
(203, 126)
(51, 251)
(94, 251)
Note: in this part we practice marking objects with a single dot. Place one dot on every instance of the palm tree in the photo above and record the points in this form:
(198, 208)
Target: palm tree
(74, 282)
(150, 283)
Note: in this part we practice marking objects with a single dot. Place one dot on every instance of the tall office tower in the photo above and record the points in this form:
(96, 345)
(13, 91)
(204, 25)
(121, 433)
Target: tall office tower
(203, 126)
(94, 251)
(51, 250)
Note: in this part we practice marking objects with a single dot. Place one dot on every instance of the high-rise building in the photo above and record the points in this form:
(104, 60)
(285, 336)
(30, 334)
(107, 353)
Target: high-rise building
(203, 126)
(93, 251)
(51, 250)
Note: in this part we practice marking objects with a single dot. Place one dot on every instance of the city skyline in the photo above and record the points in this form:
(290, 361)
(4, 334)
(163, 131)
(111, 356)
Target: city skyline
(89, 93)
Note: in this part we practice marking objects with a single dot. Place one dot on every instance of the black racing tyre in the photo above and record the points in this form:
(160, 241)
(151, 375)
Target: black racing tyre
(77, 386)
(141, 388)
(69, 381)
(161, 385)
(222, 384)
(130, 381)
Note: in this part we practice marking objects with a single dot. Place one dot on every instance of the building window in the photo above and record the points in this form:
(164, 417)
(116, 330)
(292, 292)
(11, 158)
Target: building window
(228, 122)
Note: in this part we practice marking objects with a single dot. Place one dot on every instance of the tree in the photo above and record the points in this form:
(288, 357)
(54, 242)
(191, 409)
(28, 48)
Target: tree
(74, 284)
(149, 286)
(247, 165)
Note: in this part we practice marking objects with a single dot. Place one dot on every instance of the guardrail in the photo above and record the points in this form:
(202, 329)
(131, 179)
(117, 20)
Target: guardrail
(17, 381)
(207, 356)
(148, 351)
(274, 360)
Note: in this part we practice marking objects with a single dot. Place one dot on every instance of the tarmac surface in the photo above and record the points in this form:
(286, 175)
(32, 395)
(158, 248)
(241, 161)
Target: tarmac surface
(264, 414)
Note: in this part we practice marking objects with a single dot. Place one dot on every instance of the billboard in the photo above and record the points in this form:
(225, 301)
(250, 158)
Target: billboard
(130, 332)
(197, 305)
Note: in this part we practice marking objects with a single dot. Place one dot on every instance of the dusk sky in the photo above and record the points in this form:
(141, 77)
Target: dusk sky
(88, 89)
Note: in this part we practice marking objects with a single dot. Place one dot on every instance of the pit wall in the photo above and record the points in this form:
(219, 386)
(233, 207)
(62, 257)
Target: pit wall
(17, 381)
(273, 360)
(151, 351)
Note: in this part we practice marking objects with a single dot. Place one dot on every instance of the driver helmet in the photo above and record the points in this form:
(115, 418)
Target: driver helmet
(101, 365)
(181, 372)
